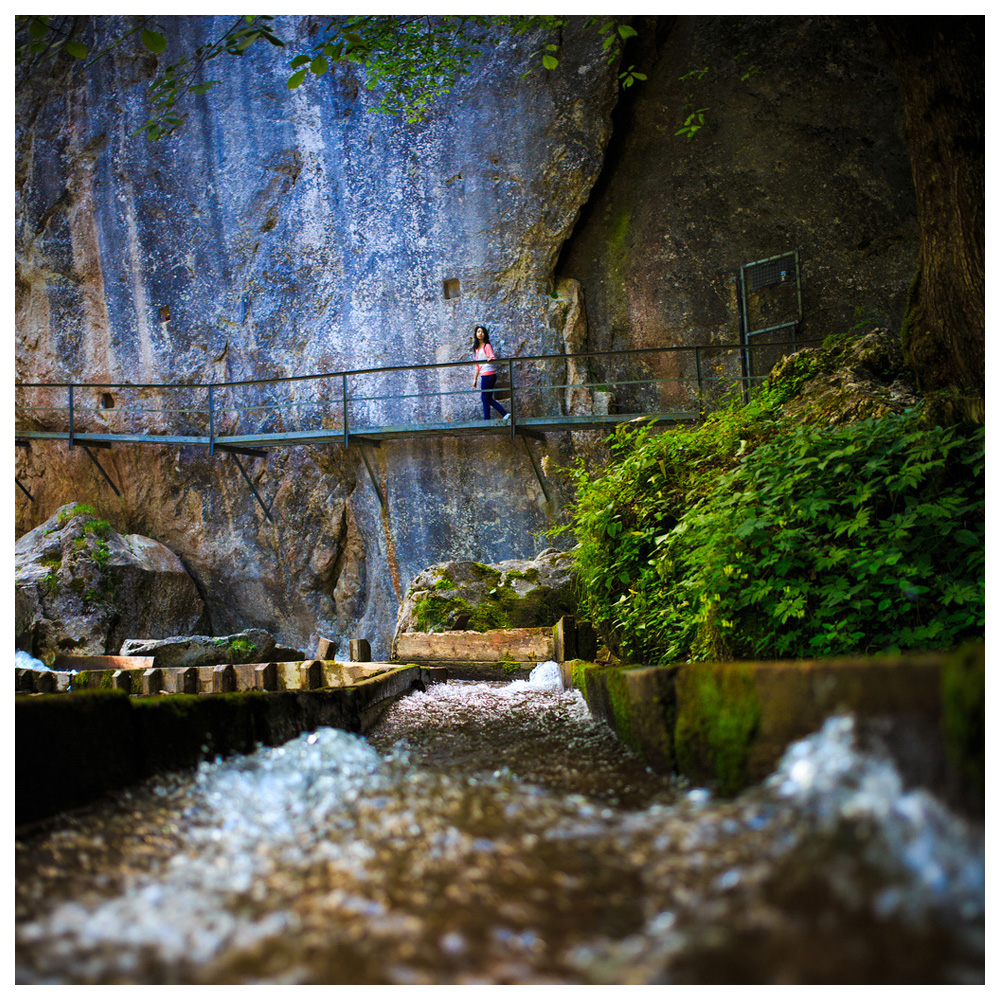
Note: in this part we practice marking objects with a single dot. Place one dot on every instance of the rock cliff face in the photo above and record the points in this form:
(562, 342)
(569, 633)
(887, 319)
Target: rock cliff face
(287, 233)
(801, 149)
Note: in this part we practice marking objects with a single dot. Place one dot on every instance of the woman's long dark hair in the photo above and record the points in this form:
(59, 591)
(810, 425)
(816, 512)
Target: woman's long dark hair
(486, 336)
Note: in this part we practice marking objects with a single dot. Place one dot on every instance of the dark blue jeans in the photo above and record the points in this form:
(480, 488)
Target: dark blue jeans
(486, 383)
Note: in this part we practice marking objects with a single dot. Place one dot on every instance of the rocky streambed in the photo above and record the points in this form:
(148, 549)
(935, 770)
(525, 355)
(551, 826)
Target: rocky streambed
(495, 833)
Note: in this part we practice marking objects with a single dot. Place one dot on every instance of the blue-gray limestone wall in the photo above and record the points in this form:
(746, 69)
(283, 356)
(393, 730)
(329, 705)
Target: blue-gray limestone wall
(290, 232)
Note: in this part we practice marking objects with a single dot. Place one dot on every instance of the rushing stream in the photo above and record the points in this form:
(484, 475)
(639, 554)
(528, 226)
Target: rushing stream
(493, 833)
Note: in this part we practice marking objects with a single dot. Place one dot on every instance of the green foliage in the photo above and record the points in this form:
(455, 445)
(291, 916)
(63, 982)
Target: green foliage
(694, 121)
(185, 76)
(651, 480)
(629, 76)
(412, 59)
(694, 118)
(41, 39)
(92, 537)
(734, 540)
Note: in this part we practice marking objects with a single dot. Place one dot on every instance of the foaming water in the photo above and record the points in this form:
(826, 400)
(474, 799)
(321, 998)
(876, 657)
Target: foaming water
(493, 833)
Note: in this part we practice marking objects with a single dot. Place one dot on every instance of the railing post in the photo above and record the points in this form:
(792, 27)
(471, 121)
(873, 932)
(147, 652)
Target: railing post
(71, 415)
(211, 420)
(343, 384)
(510, 380)
(701, 391)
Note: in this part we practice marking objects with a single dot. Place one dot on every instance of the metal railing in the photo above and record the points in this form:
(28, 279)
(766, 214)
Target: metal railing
(548, 390)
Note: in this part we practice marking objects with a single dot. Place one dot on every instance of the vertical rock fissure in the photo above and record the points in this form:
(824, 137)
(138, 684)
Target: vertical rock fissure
(643, 51)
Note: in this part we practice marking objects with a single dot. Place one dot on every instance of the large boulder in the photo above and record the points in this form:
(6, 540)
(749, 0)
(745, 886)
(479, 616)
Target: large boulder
(846, 380)
(81, 587)
(471, 596)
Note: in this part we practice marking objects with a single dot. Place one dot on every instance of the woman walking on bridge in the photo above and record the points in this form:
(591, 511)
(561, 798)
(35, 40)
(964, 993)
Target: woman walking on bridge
(484, 354)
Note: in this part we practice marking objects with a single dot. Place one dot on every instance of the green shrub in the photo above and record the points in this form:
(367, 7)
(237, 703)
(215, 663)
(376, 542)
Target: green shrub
(652, 479)
(817, 541)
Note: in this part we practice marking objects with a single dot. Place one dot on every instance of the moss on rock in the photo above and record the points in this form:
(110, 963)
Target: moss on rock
(435, 612)
(718, 718)
(963, 713)
(508, 664)
(488, 573)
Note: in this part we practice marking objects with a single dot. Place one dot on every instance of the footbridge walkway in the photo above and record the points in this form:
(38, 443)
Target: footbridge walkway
(543, 393)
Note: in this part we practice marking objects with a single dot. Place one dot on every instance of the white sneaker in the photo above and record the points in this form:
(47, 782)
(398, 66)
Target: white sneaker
(506, 418)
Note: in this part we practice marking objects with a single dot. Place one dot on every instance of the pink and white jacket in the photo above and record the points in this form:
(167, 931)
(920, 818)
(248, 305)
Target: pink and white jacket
(486, 355)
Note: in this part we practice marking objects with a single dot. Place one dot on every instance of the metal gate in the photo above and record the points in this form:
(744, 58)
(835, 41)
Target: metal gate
(769, 294)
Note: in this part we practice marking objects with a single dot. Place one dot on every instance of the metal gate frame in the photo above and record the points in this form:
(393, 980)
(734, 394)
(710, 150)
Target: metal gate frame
(745, 333)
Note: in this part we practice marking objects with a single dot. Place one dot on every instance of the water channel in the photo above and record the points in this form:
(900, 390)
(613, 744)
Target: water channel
(494, 833)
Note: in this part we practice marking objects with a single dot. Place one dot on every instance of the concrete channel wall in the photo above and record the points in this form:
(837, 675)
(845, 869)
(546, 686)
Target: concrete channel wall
(497, 654)
(138, 675)
(728, 724)
(721, 724)
(73, 747)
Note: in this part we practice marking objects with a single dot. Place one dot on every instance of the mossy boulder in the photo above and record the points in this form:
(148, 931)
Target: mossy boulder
(845, 380)
(81, 587)
(470, 596)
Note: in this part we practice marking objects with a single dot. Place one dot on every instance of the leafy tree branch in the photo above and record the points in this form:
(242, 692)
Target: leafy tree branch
(411, 59)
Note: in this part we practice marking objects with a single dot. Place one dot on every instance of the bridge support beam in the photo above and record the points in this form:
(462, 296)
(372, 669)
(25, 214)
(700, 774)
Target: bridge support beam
(538, 472)
(100, 468)
(371, 475)
(26, 445)
(253, 490)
